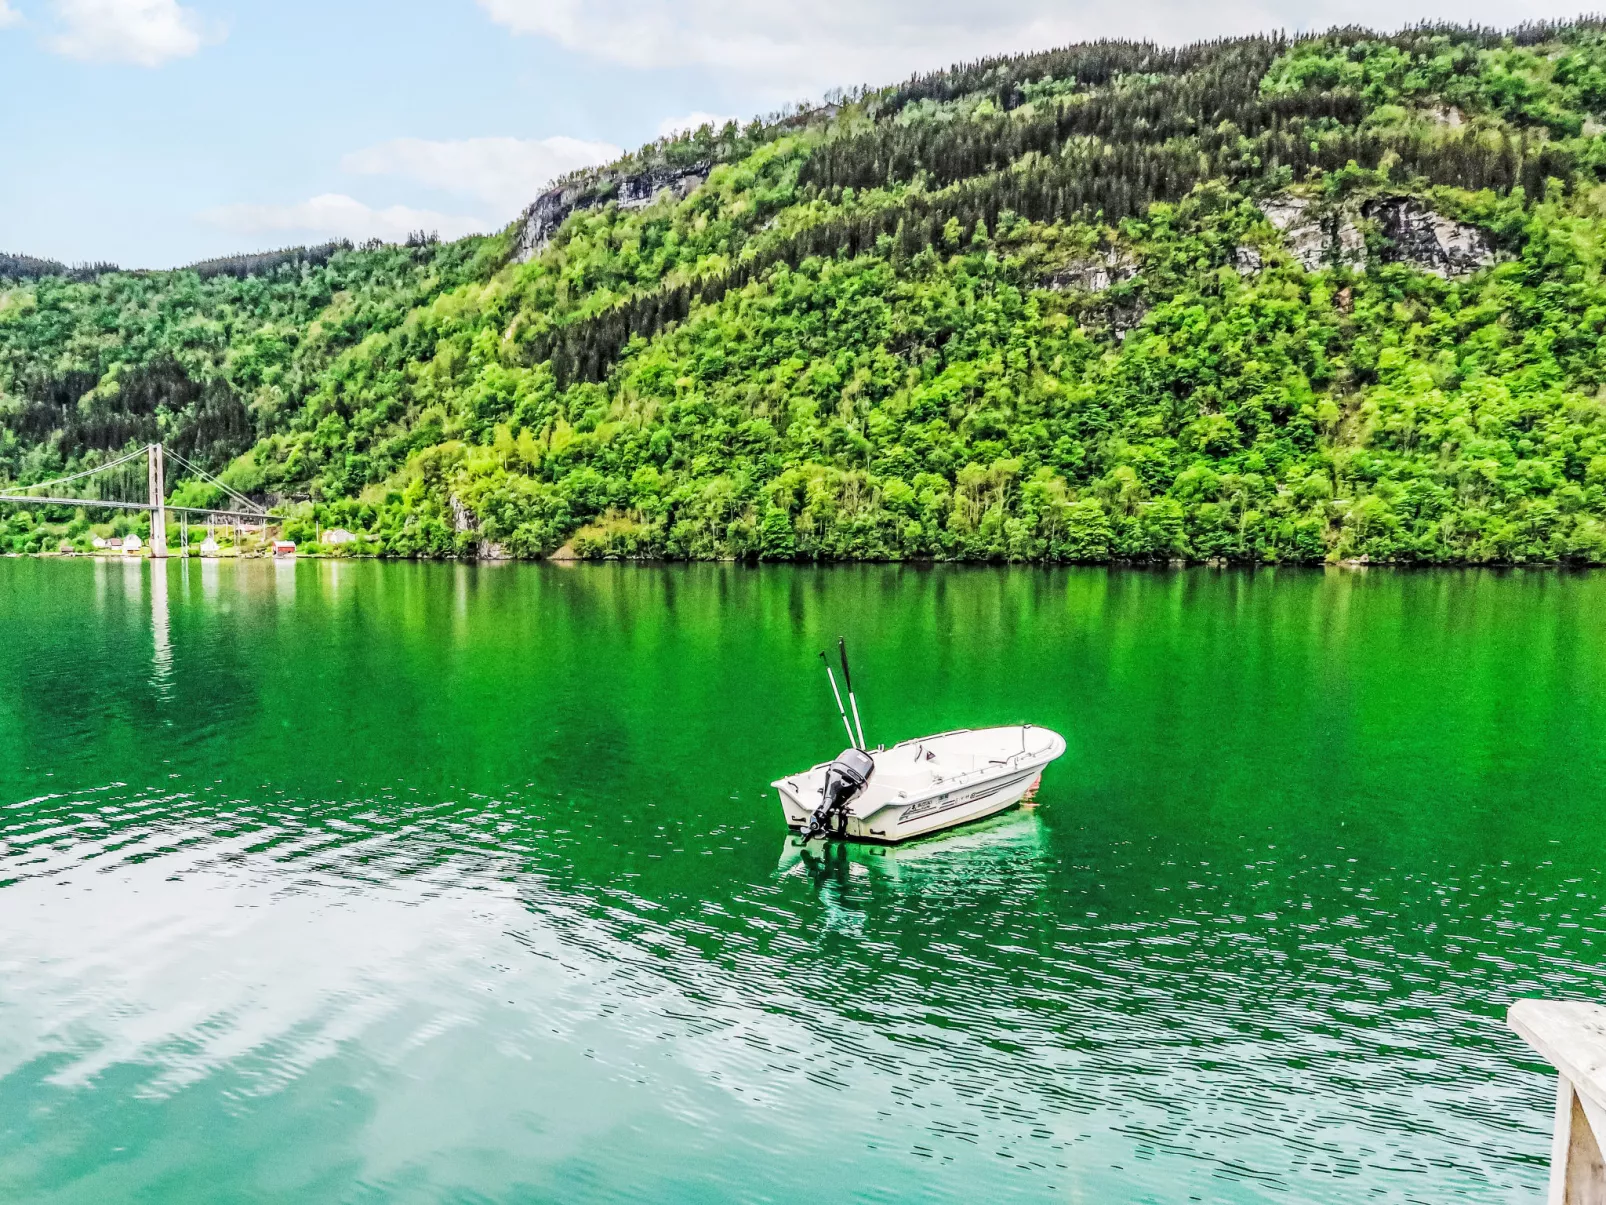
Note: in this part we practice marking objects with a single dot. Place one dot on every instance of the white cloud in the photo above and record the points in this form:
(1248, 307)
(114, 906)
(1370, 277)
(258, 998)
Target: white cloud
(789, 49)
(693, 122)
(9, 15)
(146, 33)
(508, 173)
(334, 215)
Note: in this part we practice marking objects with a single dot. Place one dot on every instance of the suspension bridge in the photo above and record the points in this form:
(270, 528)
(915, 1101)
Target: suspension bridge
(127, 484)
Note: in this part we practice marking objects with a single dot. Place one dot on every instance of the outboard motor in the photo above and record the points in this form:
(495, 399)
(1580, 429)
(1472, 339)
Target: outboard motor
(844, 779)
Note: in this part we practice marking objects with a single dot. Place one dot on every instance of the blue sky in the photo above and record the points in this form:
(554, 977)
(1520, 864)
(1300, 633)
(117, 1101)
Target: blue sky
(157, 132)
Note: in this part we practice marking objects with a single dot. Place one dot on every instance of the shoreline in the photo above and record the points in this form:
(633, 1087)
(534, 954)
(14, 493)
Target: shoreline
(1177, 564)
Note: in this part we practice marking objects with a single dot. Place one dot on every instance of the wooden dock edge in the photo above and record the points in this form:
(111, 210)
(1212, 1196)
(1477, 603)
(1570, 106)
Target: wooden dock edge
(1571, 1036)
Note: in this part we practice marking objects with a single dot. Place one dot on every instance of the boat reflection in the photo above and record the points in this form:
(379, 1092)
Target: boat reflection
(978, 853)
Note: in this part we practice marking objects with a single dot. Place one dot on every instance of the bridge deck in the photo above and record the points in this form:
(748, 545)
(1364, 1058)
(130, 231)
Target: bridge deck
(253, 516)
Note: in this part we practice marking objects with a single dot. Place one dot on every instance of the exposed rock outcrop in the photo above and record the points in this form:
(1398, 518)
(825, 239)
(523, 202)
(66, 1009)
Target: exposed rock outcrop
(546, 214)
(1127, 318)
(1316, 239)
(1093, 274)
(637, 192)
(1414, 234)
(592, 189)
(1098, 273)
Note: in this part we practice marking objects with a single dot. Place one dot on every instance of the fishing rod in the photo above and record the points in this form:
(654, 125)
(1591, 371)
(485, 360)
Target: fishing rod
(841, 711)
(847, 680)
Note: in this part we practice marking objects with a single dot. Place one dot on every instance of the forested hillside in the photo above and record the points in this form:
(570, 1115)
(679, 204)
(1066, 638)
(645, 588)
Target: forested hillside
(1261, 300)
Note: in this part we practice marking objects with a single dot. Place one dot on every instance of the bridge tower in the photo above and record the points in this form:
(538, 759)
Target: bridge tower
(158, 506)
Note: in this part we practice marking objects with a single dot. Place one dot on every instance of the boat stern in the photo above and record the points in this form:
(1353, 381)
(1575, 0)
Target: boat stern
(792, 792)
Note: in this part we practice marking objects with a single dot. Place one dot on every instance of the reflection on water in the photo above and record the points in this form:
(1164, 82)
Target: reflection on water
(1000, 856)
(162, 659)
(393, 882)
(999, 847)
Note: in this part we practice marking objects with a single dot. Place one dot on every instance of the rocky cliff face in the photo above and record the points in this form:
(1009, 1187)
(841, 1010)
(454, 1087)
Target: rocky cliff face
(1315, 239)
(1414, 234)
(1317, 236)
(1411, 234)
(636, 191)
(1093, 274)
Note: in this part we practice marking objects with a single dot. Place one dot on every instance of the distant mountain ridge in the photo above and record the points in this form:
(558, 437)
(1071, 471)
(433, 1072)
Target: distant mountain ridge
(1268, 300)
(255, 263)
(28, 267)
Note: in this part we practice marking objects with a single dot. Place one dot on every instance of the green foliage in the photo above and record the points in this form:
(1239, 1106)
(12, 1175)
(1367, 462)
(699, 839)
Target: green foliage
(1030, 309)
(207, 360)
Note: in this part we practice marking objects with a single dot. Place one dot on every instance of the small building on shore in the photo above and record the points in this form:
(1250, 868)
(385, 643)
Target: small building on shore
(339, 535)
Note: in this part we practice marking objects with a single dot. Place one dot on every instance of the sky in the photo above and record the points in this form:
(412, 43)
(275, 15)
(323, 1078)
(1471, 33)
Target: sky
(153, 133)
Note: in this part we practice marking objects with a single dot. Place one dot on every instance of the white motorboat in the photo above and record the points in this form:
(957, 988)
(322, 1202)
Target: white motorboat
(917, 786)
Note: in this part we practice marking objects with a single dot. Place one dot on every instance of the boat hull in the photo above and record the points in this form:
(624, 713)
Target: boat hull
(887, 814)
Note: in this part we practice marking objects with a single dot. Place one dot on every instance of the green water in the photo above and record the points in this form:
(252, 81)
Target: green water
(356, 882)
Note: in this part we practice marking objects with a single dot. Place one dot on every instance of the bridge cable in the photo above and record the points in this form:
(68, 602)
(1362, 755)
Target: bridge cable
(99, 468)
(200, 472)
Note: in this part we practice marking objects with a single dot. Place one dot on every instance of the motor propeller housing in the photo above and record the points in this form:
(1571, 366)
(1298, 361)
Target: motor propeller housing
(844, 779)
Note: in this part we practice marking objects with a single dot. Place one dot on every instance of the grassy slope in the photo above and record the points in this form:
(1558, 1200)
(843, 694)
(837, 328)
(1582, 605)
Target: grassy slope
(841, 347)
